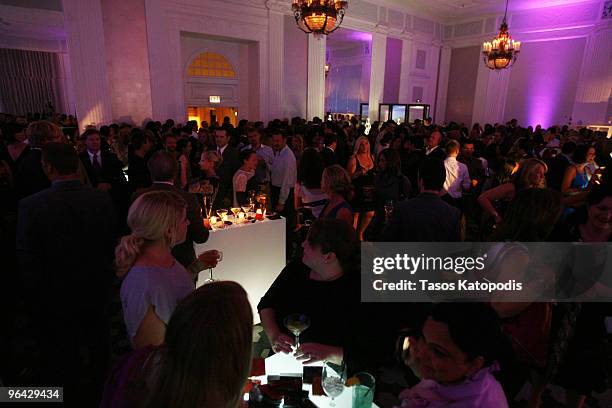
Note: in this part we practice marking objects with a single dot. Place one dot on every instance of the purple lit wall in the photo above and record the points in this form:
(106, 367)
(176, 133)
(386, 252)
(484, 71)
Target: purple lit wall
(543, 82)
(393, 69)
(462, 84)
(295, 78)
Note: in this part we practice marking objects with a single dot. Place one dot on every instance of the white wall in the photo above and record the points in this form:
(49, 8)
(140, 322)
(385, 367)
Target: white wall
(562, 72)
(542, 89)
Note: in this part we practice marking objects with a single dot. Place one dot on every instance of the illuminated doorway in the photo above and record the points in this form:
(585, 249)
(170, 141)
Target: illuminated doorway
(212, 114)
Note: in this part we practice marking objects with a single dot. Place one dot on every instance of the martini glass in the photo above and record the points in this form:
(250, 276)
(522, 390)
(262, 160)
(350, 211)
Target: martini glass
(222, 214)
(235, 211)
(296, 323)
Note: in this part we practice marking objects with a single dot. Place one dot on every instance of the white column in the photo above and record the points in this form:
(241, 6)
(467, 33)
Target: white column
(490, 95)
(442, 92)
(377, 75)
(275, 62)
(595, 81)
(316, 77)
(85, 39)
(404, 88)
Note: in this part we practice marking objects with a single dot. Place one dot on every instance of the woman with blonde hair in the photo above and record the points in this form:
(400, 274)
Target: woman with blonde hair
(204, 361)
(153, 281)
(531, 174)
(361, 170)
(336, 183)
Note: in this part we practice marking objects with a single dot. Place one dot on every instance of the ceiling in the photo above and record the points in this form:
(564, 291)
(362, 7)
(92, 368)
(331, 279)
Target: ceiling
(55, 5)
(454, 9)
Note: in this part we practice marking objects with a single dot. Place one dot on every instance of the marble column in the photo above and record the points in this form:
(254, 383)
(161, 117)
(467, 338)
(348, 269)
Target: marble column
(377, 74)
(276, 65)
(86, 48)
(442, 91)
(316, 77)
(407, 63)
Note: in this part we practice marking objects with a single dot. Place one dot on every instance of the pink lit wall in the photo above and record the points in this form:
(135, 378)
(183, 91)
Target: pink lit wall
(393, 69)
(543, 82)
(462, 84)
(127, 60)
(295, 75)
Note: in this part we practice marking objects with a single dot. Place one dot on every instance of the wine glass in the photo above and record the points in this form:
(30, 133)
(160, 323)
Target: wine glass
(246, 209)
(296, 323)
(333, 379)
(210, 270)
(388, 210)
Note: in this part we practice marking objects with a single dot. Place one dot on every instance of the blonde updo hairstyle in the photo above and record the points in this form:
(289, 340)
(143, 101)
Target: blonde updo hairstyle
(150, 217)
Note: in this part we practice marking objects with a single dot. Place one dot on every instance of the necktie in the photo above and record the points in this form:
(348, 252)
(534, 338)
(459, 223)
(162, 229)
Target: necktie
(96, 164)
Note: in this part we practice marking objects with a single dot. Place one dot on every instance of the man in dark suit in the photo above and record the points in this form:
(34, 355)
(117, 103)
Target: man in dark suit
(231, 163)
(328, 153)
(65, 246)
(29, 177)
(138, 173)
(432, 145)
(558, 164)
(163, 167)
(425, 218)
(104, 169)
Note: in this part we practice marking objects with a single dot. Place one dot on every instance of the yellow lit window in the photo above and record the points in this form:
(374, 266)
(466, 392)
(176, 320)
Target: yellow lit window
(211, 64)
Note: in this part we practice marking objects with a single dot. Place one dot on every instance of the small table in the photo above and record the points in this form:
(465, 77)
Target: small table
(253, 256)
(282, 363)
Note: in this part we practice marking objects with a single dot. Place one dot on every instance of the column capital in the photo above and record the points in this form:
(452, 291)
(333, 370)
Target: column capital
(278, 6)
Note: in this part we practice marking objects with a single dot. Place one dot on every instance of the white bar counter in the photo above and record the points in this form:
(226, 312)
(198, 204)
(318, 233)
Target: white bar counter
(253, 256)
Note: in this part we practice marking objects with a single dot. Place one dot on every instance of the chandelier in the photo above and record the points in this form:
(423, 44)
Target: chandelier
(319, 17)
(501, 52)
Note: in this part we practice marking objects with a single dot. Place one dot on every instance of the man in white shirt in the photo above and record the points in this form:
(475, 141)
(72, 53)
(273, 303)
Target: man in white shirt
(284, 177)
(457, 175)
(265, 156)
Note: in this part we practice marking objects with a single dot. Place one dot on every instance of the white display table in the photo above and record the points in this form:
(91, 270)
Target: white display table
(253, 256)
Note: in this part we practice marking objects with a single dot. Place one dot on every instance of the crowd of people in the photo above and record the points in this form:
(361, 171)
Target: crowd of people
(117, 209)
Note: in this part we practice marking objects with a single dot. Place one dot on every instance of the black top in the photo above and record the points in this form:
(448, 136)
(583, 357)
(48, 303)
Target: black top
(30, 177)
(138, 173)
(337, 316)
(425, 218)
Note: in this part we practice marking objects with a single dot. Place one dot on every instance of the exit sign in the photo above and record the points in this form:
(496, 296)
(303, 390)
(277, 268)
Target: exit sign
(214, 99)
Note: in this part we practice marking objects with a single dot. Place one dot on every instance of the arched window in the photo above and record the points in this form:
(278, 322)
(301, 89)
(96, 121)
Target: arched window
(211, 64)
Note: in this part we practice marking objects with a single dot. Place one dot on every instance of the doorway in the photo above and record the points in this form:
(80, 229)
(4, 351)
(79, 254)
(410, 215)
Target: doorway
(212, 114)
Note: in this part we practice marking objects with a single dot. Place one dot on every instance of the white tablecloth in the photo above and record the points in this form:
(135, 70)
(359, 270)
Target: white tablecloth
(253, 255)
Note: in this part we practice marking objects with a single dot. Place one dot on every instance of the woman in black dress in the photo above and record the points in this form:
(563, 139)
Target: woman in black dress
(361, 170)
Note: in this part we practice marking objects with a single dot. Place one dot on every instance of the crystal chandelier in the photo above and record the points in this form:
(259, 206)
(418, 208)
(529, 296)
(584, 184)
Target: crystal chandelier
(501, 52)
(319, 17)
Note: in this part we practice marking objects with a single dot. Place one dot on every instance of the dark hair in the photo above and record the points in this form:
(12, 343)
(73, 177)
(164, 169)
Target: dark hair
(330, 138)
(181, 145)
(9, 130)
(104, 131)
(311, 169)
(138, 138)
(598, 193)
(163, 166)
(452, 146)
(333, 235)
(531, 216)
(433, 173)
(89, 132)
(207, 353)
(278, 132)
(580, 153)
(245, 155)
(474, 328)
(568, 147)
(393, 164)
(62, 157)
